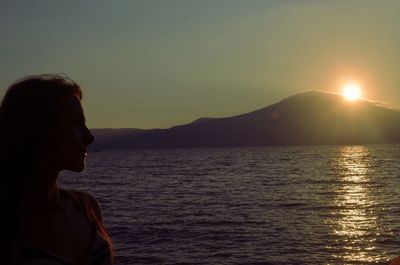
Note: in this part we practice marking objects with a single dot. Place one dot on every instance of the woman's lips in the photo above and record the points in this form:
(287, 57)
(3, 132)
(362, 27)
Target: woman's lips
(84, 153)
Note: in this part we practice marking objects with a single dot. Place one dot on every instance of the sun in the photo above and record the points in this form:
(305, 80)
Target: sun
(352, 92)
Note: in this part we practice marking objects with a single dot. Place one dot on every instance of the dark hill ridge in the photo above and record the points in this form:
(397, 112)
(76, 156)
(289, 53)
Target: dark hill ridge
(112, 138)
(308, 118)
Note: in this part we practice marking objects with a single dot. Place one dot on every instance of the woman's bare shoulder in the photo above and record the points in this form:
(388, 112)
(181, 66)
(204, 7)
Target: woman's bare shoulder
(94, 203)
(90, 199)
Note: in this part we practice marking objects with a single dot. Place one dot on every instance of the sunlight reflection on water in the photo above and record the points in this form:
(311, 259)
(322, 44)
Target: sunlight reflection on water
(354, 223)
(283, 205)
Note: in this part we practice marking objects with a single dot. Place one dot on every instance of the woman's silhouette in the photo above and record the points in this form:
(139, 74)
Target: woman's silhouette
(43, 131)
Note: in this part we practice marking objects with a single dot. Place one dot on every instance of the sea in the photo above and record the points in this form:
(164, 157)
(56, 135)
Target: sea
(264, 205)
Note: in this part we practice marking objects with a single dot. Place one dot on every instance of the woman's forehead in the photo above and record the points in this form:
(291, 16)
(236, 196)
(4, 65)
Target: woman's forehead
(73, 106)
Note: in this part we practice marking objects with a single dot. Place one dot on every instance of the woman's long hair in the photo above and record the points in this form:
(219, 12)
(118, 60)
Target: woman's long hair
(30, 107)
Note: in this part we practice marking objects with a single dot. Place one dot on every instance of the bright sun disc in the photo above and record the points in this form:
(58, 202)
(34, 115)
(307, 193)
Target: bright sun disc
(351, 92)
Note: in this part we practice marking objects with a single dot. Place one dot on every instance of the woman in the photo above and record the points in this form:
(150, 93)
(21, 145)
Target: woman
(43, 131)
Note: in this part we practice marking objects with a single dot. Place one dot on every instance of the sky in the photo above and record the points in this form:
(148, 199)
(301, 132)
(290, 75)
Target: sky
(157, 63)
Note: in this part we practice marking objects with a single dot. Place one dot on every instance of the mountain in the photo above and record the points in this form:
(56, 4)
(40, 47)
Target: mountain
(112, 138)
(309, 118)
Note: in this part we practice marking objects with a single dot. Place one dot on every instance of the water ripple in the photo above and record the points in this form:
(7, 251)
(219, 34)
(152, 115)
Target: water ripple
(280, 205)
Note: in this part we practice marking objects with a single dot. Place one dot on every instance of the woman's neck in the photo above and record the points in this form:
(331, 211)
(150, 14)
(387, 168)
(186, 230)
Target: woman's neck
(40, 192)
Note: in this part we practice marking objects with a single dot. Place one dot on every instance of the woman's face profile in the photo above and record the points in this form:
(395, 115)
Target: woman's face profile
(70, 138)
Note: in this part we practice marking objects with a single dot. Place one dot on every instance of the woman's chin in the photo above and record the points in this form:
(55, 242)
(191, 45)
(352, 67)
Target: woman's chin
(77, 167)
